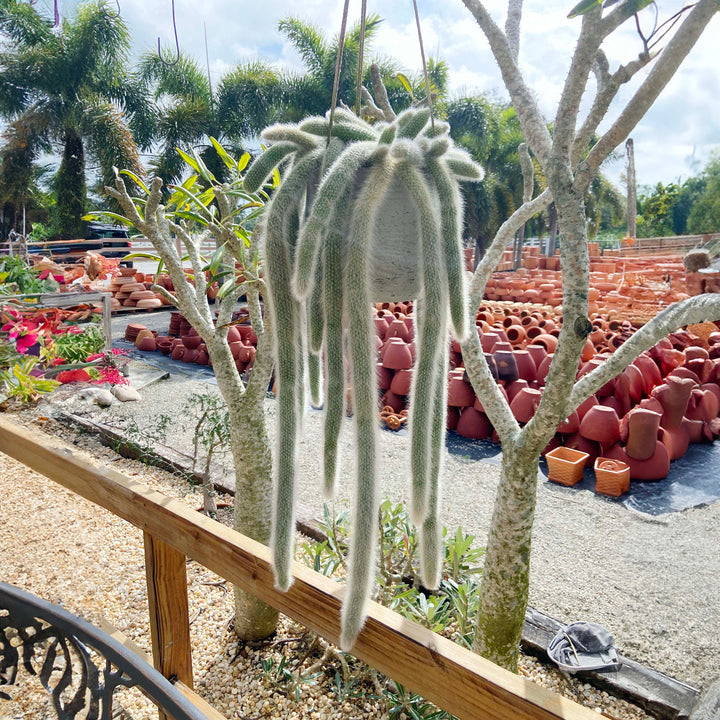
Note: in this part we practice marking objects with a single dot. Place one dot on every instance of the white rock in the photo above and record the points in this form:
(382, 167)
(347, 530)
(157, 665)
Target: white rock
(125, 393)
(102, 397)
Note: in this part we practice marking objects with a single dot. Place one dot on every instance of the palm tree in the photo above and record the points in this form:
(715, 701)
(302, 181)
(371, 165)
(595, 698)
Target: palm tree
(187, 111)
(69, 90)
(491, 132)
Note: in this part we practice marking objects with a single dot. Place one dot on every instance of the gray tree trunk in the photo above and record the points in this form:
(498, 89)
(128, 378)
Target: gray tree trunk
(631, 190)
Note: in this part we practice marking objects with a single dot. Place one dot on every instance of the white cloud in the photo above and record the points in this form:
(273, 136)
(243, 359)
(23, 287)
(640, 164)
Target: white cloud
(685, 117)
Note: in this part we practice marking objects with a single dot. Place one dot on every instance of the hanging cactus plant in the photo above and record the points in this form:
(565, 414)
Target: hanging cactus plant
(373, 214)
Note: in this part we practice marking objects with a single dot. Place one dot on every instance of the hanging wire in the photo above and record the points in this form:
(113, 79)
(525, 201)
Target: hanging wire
(177, 44)
(361, 50)
(424, 64)
(338, 66)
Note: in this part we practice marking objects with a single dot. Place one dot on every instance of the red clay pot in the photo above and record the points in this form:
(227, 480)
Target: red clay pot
(650, 372)
(639, 431)
(655, 468)
(525, 403)
(384, 376)
(401, 382)
(507, 368)
(570, 425)
(577, 442)
(191, 342)
(527, 370)
(453, 416)
(473, 424)
(673, 395)
(396, 402)
(396, 354)
(601, 424)
(460, 393)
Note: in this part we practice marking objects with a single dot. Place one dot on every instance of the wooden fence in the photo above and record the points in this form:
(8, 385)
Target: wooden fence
(452, 677)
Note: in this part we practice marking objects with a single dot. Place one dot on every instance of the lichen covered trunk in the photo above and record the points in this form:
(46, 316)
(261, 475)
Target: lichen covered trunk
(252, 459)
(505, 581)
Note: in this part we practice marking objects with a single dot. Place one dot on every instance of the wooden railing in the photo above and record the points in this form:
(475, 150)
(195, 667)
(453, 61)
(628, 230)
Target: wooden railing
(452, 677)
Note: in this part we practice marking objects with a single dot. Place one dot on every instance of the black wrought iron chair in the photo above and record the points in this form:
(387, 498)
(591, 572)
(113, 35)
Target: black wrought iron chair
(78, 664)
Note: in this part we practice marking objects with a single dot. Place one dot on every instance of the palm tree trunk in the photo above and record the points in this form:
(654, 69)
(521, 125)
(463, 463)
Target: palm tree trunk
(71, 187)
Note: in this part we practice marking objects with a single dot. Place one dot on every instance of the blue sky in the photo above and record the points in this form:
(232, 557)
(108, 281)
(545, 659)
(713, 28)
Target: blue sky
(671, 143)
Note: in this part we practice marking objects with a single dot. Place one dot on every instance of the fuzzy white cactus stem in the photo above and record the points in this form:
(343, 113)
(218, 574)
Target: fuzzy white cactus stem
(361, 563)
(429, 342)
(282, 217)
(431, 547)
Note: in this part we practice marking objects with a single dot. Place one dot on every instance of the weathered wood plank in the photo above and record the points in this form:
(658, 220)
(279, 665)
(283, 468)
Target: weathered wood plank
(169, 618)
(454, 678)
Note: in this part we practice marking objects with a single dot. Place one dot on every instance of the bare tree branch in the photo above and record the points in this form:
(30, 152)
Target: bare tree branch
(665, 67)
(531, 119)
(512, 26)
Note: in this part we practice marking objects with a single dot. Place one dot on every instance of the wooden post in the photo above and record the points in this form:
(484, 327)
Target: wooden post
(169, 621)
(106, 316)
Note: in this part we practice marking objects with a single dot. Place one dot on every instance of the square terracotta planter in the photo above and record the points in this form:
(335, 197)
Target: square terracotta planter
(612, 477)
(565, 465)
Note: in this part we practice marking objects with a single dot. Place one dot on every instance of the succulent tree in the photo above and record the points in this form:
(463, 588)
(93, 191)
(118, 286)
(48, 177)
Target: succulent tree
(569, 161)
(221, 212)
(383, 223)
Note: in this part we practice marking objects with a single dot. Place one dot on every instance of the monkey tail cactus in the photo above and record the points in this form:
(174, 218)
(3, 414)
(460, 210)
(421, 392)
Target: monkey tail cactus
(383, 223)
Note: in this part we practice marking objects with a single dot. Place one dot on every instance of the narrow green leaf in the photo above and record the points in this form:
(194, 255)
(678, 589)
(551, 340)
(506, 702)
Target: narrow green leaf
(243, 161)
(582, 7)
(220, 150)
(190, 196)
(227, 286)
(105, 214)
(405, 82)
(216, 259)
(136, 180)
(147, 256)
(188, 215)
(202, 168)
(189, 160)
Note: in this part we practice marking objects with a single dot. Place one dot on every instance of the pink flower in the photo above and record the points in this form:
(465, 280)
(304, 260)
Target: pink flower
(110, 375)
(60, 279)
(96, 356)
(44, 275)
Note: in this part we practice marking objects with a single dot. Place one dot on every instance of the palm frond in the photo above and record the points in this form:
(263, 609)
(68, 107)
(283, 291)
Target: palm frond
(308, 41)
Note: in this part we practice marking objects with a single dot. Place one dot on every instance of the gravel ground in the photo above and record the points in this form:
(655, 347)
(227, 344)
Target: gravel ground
(651, 581)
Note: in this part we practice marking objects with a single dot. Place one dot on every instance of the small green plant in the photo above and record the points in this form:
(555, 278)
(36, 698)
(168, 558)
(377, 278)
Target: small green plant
(282, 678)
(18, 277)
(450, 610)
(76, 347)
(19, 383)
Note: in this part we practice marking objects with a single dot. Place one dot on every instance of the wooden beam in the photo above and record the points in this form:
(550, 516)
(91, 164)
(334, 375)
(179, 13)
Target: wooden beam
(169, 618)
(457, 680)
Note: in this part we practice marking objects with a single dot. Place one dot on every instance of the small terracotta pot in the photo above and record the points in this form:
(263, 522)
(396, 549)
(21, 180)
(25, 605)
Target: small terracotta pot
(565, 465)
(384, 376)
(460, 393)
(612, 477)
(525, 403)
(640, 432)
(401, 382)
(147, 344)
(674, 396)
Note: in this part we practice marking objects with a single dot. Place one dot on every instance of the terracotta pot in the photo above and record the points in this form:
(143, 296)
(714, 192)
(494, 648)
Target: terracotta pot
(190, 355)
(488, 341)
(577, 442)
(401, 382)
(453, 416)
(655, 468)
(178, 351)
(246, 353)
(640, 432)
(147, 344)
(473, 425)
(649, 370)
(396, 354)
(143, 334)
(516, 335)
(513, 388)
(384, 376)
(479, 406)
(460, 393)
(703, 405)
(233, 335)
(526, 365)
(565, 465)
(674, 396)
(507, 368)
(381, 326)
(191, 342)
(549, 342)
(544, 369)
(396, 402)
(202, 358)
(165, 347)
(537, 352)
(570, 425)
(525, 403)
(398, 328)
(602, 424)
(612, 477)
